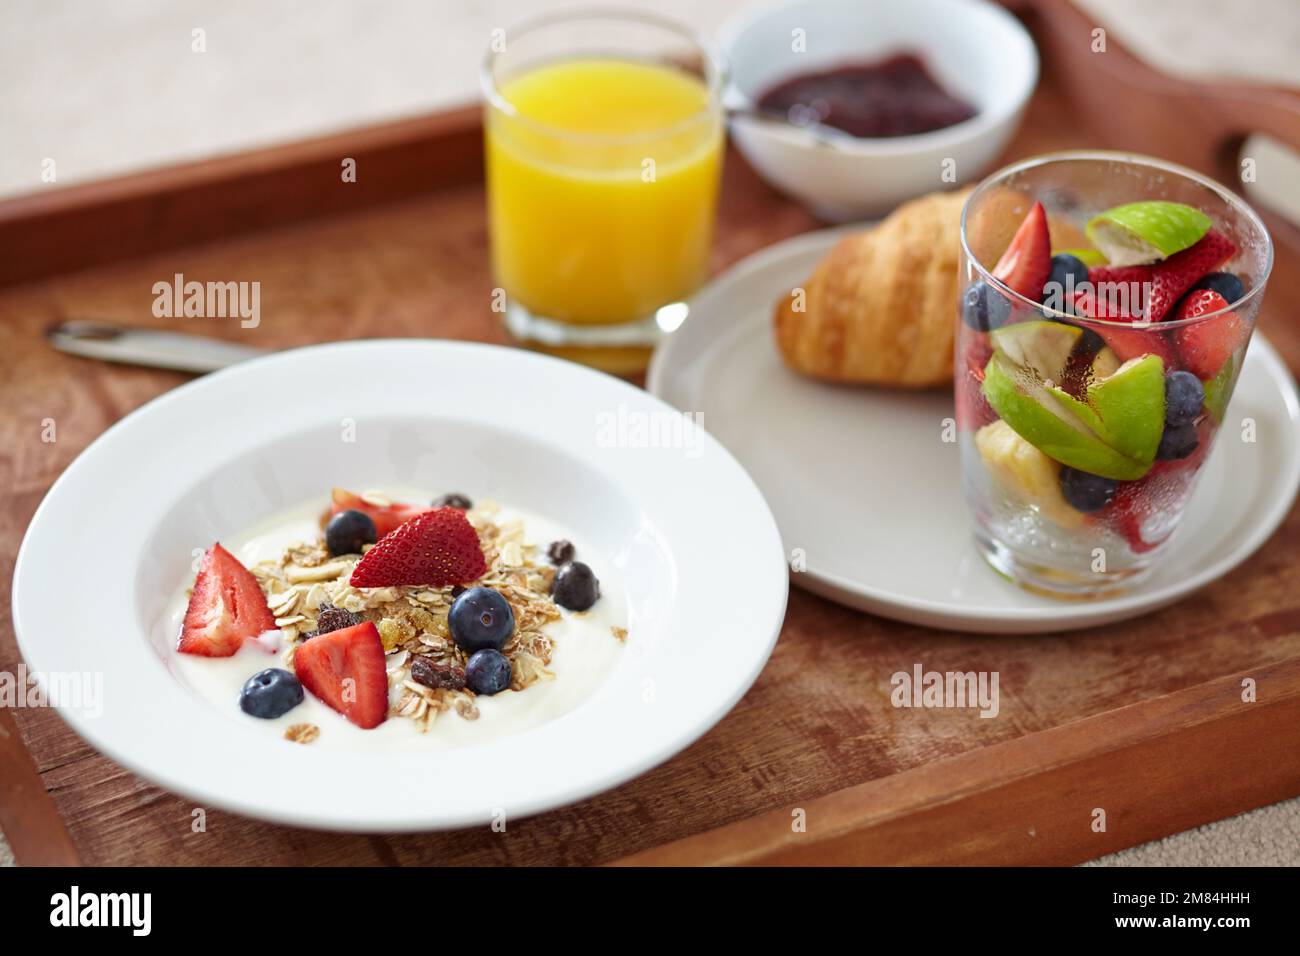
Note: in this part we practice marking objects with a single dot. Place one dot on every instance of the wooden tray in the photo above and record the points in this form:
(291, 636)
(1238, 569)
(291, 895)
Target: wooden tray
(1144, 720)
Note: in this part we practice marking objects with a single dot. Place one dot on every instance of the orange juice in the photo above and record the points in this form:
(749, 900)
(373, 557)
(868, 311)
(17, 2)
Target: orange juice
(602, 184)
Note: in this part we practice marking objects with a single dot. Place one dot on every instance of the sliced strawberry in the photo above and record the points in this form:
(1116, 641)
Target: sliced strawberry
(1100, 304)
(1206, 346)
(973, 409)
(1027, 263)
(1127, 343)
(1137, 510)
(437, 548)
(1199, 303)
(1118, 296)
(1123, 275)
(1169, 279)
(1128, 518)
(386, 517)
(345, 669)
(1138, 341)
(226, 607)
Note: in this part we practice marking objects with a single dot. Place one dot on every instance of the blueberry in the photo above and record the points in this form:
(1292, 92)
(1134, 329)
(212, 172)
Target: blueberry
(982, 308)
(1224, 283)
(348, 530)
(453, 500)
(480, 618)
(1089, 344)
(1086, 492)
(1177, 442)
(270, 694)
(560, 551)
(1068, 274)
(1184, 396)
(487, 672)
(575, 586)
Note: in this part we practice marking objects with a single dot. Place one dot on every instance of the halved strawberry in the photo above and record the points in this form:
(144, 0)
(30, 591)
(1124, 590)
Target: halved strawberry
(1127, 343)
(1127, 513)
(1141, 510)
(1169, 279)
(386, 517)
(226, 607)
(1027, 263)
(1206, 346)
(1102, 304)
(437, 548)
(973, 409)
(345, 669)
(1138, 341)
(1118, 295)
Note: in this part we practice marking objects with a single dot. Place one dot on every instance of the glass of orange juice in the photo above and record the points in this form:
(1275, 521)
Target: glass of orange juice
(604, 139)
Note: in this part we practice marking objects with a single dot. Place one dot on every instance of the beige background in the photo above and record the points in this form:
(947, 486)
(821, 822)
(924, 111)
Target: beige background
(106, 88)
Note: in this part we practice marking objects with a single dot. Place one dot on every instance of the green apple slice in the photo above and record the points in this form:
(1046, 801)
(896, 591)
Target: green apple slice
(1131, 403)
(1126, 409)
(1081, 410)
(1089, 257)
(1043, 346)
(1218, 391)
(1146, 231)
(1024, 403)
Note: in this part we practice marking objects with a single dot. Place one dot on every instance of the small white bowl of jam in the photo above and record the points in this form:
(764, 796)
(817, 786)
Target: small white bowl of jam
(853, 106)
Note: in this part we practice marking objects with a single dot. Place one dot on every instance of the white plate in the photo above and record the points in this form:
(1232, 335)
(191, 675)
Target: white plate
(684, 528)
(860, 481)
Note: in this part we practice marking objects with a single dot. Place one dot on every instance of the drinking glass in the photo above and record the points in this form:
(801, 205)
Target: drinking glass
(1114, 532)
(604, 139)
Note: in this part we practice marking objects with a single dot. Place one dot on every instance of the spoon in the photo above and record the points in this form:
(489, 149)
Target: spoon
(179, 351)
(820, 133)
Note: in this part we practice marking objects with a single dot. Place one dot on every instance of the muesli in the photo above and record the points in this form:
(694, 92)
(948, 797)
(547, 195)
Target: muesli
(392, 612)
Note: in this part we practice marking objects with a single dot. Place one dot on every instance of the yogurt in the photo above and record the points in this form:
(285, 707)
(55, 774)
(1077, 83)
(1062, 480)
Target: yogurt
(586, 650)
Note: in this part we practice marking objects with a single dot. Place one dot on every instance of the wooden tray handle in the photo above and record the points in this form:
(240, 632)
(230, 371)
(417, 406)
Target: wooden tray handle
(1200, 124)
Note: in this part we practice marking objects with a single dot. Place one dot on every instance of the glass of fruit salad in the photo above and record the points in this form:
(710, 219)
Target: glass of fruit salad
(1107, 303)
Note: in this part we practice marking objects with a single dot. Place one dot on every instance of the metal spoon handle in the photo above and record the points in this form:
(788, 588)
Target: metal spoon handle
(819, 134)
(151, 347)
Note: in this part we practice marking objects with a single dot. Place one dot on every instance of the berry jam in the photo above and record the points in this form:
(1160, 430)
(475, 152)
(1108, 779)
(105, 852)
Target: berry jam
(896, 96)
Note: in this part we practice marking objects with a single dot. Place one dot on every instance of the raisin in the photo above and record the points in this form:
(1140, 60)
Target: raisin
(560, 551)
(453, 500)
(331, 618)
(437, 676)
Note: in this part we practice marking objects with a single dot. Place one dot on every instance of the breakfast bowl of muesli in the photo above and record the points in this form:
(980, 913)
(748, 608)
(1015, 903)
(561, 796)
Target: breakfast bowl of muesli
(400, 585)
(373, 618)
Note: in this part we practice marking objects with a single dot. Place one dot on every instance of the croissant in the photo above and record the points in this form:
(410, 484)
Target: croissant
(881, 308)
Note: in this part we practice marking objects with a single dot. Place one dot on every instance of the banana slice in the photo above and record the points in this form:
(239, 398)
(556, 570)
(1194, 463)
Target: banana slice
(1025, 472)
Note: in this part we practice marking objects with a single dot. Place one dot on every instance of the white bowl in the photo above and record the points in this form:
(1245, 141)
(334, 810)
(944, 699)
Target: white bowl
(976, 50)
(681, 528)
